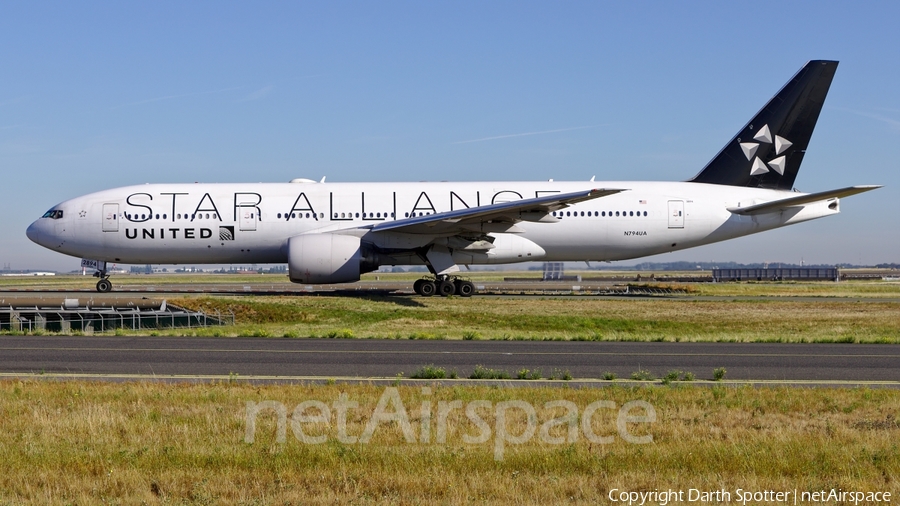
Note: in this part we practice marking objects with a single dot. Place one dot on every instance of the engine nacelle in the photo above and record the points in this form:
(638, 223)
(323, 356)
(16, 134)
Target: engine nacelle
(326, 258)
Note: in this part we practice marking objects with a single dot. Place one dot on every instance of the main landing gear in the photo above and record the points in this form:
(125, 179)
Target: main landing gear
(104, 285)
(444, 286)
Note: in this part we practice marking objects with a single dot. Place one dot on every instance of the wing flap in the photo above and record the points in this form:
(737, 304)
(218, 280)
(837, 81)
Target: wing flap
(780, 205)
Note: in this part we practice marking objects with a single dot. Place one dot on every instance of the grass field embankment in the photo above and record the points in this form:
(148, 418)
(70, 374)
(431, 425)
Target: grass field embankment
(848, 312)
(554, 318)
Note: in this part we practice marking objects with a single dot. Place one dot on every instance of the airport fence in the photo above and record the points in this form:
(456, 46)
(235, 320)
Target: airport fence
(88, 320)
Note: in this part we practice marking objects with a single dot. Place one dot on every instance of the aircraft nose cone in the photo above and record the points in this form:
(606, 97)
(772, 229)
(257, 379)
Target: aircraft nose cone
(36, 233)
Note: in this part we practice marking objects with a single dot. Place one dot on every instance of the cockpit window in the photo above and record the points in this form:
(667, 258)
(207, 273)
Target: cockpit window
(54, 214)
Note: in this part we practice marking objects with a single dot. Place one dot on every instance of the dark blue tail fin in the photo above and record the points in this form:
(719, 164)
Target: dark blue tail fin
(767, 152)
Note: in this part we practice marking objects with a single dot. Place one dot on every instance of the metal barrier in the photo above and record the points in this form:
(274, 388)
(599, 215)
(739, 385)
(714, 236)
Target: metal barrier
(87, 319)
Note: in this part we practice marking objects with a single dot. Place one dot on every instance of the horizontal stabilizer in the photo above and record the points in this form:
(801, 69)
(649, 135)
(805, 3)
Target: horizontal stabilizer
(782, 204)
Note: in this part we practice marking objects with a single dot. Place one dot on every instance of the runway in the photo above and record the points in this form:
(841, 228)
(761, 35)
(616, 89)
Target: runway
(288, 359)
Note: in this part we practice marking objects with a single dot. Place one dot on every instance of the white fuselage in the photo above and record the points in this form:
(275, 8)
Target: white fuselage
(251, 223)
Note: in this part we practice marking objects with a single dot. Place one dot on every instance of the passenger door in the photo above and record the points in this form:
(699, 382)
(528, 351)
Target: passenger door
(110, 217)
(248, 218)
(676, 214)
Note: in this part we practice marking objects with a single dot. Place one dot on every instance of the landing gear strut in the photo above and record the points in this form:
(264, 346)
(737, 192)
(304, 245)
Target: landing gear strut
(444, 286)
(104, 285)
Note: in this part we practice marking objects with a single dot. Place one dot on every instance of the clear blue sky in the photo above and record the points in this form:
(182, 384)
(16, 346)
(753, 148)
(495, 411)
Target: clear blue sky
(96, 95)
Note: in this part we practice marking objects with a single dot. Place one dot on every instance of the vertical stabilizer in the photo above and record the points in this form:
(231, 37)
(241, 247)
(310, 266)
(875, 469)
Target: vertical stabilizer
(767, 152)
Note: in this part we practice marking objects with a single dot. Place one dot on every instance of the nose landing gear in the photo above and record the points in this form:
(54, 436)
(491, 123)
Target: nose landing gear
(444, 286)
(104, 285)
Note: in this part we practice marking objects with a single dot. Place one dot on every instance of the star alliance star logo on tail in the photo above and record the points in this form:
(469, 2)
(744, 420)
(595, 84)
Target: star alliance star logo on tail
(760, 167)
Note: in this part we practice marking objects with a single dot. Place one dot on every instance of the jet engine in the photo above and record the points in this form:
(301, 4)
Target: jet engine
(327, 258)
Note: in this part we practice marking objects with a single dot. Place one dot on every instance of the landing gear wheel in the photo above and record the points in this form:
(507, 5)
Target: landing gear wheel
(426, 288)
(446, 288)
(417, 286)
(464, 288)
(104, 285)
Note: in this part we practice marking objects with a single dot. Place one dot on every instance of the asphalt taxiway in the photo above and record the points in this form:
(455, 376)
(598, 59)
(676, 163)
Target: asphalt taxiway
(288, 359)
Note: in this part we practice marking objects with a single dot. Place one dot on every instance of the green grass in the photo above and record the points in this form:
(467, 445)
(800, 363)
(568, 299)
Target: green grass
(642, 375)
(834, 316)
(560, 374)
(719, 373)
(429, 372)
(66, 442)
(844, 321)
(576, 319)
(483, 373)
(528, 374)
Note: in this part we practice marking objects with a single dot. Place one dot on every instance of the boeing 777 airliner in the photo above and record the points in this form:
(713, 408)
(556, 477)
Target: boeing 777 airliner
(334, 232)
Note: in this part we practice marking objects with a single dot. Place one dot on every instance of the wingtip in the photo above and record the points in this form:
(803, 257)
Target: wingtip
(868, 187)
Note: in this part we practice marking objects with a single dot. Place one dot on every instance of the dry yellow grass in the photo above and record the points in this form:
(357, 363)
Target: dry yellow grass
(157, 443)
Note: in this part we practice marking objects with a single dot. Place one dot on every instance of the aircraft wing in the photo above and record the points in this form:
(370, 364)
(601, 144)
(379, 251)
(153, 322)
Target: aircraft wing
(782, 204)
(501, 217)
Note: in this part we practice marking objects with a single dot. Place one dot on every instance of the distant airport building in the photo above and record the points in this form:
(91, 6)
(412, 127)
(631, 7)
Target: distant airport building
(553, 271)
(556, 271)
(804, 274)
